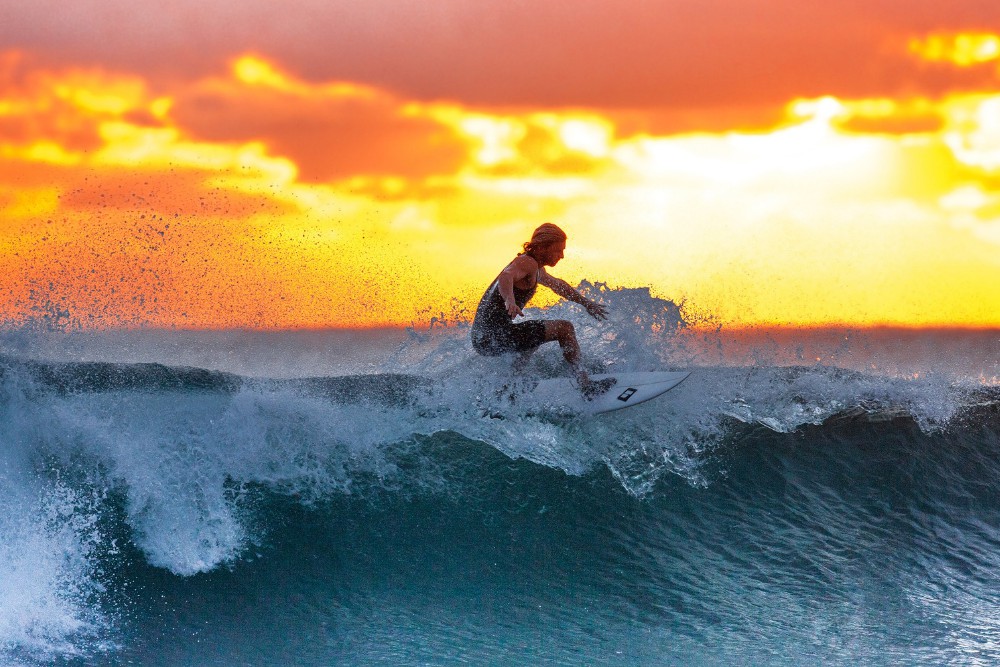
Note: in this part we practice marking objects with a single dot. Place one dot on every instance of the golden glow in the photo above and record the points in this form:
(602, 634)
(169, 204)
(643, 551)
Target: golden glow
(201, 204)
(89, 97)
(41, 151)
(160, 107)
(962, 49)
(130, 145)
(255, 71)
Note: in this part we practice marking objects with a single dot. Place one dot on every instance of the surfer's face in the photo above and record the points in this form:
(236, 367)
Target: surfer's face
(551, 254)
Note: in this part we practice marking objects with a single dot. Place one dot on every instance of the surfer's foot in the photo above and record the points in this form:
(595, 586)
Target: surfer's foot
(594, 388)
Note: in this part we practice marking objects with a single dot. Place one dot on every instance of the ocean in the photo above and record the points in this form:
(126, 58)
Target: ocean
(387, 497)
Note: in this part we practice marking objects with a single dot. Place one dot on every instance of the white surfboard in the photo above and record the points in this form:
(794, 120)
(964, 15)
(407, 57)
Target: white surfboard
(630, 389)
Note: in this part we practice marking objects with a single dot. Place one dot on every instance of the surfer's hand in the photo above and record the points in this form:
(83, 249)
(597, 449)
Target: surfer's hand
(513, 310)
(596, 310)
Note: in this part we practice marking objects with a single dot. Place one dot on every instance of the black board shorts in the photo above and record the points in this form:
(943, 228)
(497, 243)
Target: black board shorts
(504, 338)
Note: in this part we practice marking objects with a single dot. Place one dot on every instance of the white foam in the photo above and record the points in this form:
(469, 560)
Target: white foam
(761, 380)
(47, 580)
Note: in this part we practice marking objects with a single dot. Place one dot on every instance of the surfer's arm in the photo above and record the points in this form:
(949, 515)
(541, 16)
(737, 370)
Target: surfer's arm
(566, 291)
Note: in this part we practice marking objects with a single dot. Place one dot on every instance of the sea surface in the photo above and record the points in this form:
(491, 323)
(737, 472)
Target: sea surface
(389, 498)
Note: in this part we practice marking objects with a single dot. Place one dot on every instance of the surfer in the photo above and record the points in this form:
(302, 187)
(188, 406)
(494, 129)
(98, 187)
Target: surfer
(493, 329)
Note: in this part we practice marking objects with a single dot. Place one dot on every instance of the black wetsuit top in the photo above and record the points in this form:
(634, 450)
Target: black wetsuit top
(494, 333)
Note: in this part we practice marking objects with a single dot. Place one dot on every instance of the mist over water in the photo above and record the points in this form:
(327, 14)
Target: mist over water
(389, 497)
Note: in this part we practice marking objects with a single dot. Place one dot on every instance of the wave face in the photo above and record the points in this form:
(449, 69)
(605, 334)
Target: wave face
(172, 498)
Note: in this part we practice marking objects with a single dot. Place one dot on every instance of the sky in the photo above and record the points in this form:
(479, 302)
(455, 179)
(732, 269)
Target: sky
(328, 163)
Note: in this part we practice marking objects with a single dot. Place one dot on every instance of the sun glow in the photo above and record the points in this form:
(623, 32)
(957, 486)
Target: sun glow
(590, 136)
(497, 137)
(973, 133)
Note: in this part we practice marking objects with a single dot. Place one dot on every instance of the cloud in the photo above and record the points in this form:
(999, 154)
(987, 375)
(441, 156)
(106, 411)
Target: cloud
(330, 131)
(73, 133)
(590, 53)
(37, 104)
(257, 130)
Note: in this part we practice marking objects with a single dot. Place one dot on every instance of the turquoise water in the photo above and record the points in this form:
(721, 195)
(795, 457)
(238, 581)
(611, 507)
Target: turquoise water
(324, 498)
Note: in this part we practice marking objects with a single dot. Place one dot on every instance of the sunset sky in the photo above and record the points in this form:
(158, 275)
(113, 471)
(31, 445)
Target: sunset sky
(324, 163)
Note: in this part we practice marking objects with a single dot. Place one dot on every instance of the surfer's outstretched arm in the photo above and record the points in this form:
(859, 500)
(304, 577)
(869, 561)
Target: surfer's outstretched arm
(566, 291)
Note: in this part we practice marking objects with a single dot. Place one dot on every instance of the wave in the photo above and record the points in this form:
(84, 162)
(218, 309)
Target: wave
(182, 467)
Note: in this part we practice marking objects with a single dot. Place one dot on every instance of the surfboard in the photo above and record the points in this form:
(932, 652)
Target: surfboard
(629, 390)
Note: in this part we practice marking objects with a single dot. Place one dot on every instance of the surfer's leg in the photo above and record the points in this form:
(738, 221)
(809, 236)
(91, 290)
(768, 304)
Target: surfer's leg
(525, 337)
(563, 331)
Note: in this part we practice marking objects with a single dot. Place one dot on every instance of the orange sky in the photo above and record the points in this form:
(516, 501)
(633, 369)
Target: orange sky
(352, 164)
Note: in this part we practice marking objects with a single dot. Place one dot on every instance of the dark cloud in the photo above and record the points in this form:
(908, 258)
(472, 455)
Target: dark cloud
(544, 53)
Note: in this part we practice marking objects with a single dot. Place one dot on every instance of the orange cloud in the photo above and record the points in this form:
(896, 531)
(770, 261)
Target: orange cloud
(330, 131)
(707, 55)
(35, 106)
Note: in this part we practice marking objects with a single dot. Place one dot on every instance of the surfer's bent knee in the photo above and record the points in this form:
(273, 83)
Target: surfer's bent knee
(563, 332)
(559, 329)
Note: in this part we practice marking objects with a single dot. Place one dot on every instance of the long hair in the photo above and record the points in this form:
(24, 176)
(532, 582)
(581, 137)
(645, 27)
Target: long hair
(544, 235)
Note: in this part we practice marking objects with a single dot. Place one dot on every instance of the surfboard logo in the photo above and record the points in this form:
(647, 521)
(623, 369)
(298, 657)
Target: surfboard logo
(627, 394)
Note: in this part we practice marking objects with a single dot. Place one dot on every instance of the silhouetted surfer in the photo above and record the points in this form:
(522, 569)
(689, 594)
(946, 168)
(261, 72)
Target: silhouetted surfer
(494, 331)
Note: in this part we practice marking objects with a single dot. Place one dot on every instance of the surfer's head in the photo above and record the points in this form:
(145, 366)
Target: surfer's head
(547, 244)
